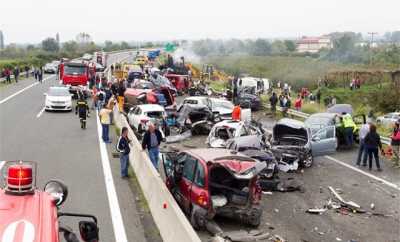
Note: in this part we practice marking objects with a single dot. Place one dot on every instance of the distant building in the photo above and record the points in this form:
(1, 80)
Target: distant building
(313, 44)
(1, 40)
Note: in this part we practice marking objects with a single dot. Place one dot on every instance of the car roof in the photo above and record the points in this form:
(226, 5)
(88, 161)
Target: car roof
(151, 107)
(229, 123)
(214, 154)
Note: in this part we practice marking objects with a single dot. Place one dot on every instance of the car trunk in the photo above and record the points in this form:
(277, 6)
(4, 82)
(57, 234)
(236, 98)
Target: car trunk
(231, 183)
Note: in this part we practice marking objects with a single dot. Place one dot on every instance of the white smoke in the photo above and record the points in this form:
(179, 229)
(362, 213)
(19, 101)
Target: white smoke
(187, 52)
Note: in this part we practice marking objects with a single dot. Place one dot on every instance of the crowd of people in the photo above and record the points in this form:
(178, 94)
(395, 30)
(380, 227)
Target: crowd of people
(16, 72)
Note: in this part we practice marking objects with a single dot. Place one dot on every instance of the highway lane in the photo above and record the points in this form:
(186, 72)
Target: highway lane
(63, 151)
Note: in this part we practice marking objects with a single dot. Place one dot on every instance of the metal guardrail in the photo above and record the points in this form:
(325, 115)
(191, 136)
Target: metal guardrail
(384, 140)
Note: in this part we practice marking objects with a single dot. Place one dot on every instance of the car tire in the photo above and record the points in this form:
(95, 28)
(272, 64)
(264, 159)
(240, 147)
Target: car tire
(254, 218)
(308, 161)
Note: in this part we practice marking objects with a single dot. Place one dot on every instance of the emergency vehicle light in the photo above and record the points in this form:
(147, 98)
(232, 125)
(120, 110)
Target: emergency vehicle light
(20, 177)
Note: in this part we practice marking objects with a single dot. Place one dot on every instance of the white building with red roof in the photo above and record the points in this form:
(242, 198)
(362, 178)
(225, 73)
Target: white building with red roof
(313, 44)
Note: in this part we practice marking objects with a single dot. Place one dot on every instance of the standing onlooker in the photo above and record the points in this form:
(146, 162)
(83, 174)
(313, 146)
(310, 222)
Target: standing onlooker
(40, 74)
(318, 96)
(273, 100)
(101, 96)
(396, 144)
(236, 113)
(121, 92)
(16, 73)
(372, 143)
(94, 97)
(362, 151)
(35, 73)
(105, 123)
(151, 141)
(7, 73)
(298, 103)
(124, 150)
(26, 71)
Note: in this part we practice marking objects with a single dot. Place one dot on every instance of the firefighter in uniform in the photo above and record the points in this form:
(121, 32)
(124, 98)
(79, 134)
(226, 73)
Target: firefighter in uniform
(82, 109)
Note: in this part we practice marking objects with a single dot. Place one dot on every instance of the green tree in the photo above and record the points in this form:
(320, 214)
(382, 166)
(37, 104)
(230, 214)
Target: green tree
(278, 47)
(260, 47)
(70, 47)
(50, 44)
(290, 45)
(124, 45)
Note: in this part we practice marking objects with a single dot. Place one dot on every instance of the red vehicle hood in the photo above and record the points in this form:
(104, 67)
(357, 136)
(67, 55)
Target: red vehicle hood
(30, 218)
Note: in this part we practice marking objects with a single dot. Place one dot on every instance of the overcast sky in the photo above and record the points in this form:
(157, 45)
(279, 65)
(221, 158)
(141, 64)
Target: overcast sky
(24, 21)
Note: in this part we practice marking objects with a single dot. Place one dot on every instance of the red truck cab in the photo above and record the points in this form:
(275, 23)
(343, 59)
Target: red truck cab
(74, 74)
(31, 215)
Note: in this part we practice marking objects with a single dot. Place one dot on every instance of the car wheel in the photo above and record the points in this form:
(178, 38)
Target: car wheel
(254, 218)
(308, 161)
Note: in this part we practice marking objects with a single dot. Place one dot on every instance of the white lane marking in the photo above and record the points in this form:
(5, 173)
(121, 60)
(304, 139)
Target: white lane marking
(40, 113)
(364, 173)
(23, 90)
(118, 224)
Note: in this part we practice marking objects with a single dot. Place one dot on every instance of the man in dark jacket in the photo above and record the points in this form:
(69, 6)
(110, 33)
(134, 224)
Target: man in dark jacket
(273, 100)
(151, 141)
(16, 74)
(372, 143)
(124, 150)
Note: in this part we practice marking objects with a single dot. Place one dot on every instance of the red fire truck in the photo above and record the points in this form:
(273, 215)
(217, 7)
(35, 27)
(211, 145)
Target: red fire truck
(31, 215)
(76, 75)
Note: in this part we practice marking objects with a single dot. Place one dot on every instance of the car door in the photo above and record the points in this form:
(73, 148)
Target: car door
(185, 184)
(324, 141)
(199, 194)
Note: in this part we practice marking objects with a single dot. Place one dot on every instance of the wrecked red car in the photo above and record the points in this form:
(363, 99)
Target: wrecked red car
(180, 82)
(161, 96)
(214, 182)
(29, 214)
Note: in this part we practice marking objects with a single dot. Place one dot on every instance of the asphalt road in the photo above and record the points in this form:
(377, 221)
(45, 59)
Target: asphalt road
(64, 151)
(285, 214)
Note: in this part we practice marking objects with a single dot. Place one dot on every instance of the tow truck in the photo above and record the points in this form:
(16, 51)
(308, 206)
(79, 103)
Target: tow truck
(29, 214)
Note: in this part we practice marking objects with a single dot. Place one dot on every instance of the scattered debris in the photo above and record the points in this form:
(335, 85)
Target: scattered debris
(179, 137)
(267, 193)
(350, 204)
(244, 236)
(316, 210)
(277, 238)
(338, 239)
(276, 210)
(372, 206)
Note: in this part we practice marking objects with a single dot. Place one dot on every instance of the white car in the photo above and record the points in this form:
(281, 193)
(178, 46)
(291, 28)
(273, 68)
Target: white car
(141, 115)
(58, 98)
(227, 130)
(50, 68)
(388, 119)
(221, 106)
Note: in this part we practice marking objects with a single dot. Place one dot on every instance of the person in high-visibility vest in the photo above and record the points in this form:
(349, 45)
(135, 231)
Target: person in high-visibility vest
(349, 127)
(236, 113)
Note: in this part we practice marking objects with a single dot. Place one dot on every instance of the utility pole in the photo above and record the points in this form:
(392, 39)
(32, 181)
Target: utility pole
(371, 44)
